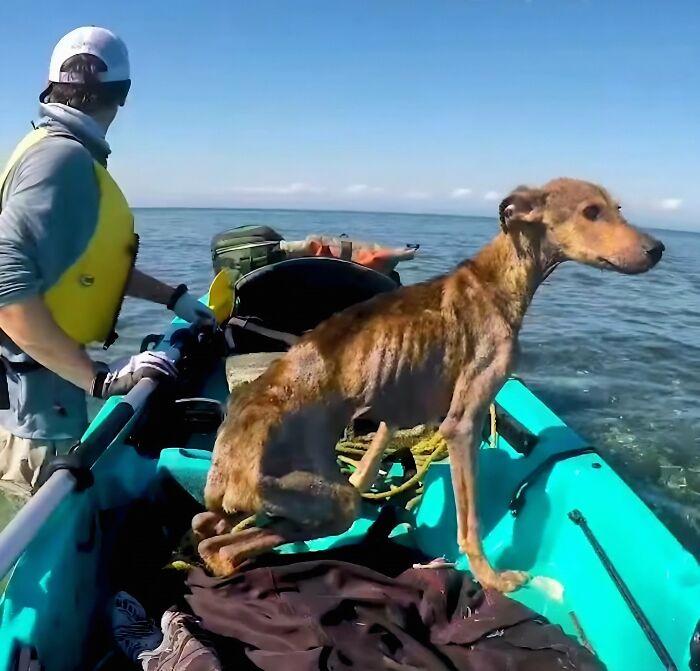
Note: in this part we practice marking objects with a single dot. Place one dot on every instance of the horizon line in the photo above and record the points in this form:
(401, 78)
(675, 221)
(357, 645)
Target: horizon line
(347, 211)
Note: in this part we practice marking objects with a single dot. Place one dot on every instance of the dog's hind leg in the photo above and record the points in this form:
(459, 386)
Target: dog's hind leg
(368, 468)
(460, 429)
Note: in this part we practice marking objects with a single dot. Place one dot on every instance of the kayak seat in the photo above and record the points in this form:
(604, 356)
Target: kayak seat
(296, 295)
(189, 468)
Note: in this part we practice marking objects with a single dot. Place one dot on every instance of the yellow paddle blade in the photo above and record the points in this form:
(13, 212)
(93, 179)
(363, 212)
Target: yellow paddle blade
(221, 297)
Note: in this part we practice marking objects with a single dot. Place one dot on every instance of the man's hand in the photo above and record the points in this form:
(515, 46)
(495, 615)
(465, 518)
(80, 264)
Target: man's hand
(122, 376)
(189, 309)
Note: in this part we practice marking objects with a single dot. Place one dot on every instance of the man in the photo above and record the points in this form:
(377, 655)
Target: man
(67, 251)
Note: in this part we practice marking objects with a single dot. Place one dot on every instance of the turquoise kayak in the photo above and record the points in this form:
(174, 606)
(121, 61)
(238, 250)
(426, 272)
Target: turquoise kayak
(602, 565)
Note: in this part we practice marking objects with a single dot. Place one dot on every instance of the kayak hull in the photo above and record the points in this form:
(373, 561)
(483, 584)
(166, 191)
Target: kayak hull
(55, 598)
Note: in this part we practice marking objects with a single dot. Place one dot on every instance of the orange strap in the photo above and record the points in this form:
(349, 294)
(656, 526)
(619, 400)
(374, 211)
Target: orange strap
(365, 257)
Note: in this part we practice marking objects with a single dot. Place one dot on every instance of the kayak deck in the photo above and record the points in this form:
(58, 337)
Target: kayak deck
(569, 584)
(56, 597)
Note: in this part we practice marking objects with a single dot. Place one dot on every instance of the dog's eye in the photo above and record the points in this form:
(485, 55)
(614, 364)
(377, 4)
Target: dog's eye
(592, 212)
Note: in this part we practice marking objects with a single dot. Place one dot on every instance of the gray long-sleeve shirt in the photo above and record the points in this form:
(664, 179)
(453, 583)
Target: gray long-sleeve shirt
(49, 211)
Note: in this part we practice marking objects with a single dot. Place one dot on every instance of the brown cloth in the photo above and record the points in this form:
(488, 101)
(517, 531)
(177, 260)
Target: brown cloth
(329, 612)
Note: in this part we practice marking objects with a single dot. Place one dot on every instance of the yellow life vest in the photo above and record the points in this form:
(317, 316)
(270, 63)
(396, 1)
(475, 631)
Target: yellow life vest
(86, 299)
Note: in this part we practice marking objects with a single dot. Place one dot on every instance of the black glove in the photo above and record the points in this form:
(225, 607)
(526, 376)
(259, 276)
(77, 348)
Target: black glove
(121, 376)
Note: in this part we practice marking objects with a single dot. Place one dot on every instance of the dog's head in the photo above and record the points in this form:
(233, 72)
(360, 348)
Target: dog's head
(579, 221)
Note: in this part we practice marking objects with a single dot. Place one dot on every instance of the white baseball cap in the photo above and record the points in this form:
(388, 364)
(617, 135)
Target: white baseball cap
(99, 42)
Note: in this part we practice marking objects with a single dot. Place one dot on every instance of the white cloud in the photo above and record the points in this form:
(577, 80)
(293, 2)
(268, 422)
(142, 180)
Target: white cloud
(492, 195)
(293, 189)
(362, 189)
(461, 192)
(670, 204)
(417, 195)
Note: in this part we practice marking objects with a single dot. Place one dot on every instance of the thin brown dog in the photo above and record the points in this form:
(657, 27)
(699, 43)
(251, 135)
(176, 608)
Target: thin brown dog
(439, 350)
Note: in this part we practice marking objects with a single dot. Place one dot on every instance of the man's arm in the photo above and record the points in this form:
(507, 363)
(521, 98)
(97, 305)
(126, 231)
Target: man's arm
(148, 288)
(31, 327)
(54, 196)
(177, 299)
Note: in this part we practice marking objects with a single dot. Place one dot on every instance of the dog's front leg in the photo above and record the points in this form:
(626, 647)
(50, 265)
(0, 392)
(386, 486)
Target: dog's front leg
(468, 409)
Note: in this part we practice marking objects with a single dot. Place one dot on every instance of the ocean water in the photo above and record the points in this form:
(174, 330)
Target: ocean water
(617, 357)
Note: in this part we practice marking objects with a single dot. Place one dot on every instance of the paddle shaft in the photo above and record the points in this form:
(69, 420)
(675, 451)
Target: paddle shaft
(27, 523)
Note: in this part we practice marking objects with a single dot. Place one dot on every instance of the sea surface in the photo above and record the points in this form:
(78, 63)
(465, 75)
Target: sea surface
(617, 357)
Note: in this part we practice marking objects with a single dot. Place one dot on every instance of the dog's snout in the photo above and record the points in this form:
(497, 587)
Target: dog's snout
(654, 249)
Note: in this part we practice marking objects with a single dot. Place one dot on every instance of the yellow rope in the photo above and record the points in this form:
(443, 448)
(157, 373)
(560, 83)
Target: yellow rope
(436, 447)
(425, 452)
(245, 523)
(493, 438)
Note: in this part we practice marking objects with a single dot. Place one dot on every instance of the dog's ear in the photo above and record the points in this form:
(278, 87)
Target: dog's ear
(523, 205)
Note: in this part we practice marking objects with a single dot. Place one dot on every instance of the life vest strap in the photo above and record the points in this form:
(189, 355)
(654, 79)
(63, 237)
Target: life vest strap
(17, 367)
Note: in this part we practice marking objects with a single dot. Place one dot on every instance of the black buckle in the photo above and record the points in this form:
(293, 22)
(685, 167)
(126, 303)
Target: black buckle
(68, 462)
(151, 341)
(512, 431)
(110, 340)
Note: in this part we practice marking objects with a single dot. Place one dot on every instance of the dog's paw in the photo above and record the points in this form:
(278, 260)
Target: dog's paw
(208, 524)
(506, 581)
(217, 559)
(220, 566)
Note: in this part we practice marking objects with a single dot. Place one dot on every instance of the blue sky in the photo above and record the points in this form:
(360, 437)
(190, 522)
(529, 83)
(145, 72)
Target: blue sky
(403, 105)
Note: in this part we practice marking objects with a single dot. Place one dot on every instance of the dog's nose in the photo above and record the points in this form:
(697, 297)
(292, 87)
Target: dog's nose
(655, 250)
